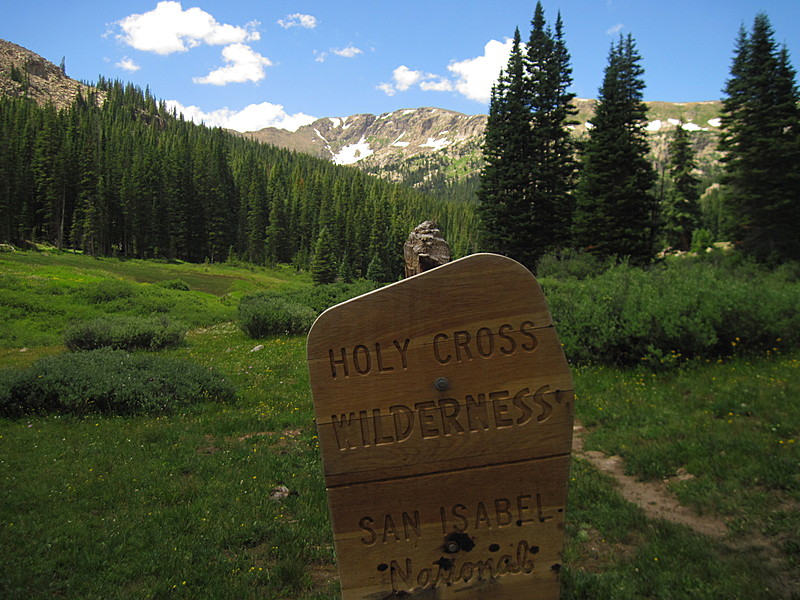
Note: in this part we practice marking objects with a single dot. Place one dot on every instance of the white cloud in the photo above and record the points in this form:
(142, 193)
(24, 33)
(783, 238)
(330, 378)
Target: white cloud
(244, 64)
(477, 75)
(440, 85)
(251, 118)
(168, 28)
(386, 88)
(348, 52)
(127, 64)
(472, 77)
(615, 29)
(298, 20)
(404, 78)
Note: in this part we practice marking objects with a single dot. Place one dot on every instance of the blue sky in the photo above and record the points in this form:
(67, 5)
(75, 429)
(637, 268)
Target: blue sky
(248, 64)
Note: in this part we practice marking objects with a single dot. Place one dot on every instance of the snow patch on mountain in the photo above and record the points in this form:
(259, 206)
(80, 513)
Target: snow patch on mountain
(397, 143)
(436, 144)
(352, 153)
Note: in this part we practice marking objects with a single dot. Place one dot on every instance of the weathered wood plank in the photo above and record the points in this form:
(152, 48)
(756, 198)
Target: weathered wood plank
(444, 409)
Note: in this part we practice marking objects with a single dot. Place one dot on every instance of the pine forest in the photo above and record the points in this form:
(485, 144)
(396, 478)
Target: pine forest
(117, 175)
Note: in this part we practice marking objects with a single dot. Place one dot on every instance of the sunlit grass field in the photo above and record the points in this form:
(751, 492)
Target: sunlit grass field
(227, 500)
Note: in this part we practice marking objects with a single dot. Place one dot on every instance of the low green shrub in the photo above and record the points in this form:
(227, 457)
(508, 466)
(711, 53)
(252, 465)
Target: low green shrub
(293, 313)
(668, 313)
(174, 284)
(125, 332)
(570, 263)
(107, 290)
(263, 316)
(111, 382)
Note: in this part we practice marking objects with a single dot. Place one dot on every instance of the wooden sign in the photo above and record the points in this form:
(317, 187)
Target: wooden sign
(444, 410)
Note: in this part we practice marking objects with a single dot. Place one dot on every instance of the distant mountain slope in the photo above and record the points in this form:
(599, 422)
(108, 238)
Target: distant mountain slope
(24, 73)
(434, 148)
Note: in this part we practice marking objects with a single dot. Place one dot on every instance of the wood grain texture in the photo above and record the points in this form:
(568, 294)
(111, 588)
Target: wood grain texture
(444, 405)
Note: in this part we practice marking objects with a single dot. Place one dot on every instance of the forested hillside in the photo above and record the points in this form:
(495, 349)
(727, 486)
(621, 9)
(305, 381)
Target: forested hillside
(125, 177)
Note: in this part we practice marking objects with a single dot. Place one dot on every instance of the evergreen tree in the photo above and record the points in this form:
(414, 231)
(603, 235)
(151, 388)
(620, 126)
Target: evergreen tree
(133, 179)
(347, 270)
(324, 265)
(503, 192)
(552, 164)
(681, 209)
(761, 144)
(526, 184)
(616, 213)
(378, 271)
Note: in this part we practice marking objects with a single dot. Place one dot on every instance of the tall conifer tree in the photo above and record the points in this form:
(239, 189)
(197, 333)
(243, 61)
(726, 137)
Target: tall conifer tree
(681, 209)
(526, 185)
(761, 141)
(616, 212)
(324, 265)
(504, 181)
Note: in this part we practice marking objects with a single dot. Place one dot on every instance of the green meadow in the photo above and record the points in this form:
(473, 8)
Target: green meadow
(222, 496)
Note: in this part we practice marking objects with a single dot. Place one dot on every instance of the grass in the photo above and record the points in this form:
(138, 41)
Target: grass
(139, 507)
(42, 293)
(179, 506)
(732, 426)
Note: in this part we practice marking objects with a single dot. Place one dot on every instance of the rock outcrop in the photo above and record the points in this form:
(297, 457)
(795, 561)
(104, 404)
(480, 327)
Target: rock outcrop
(425, 249)
(26, 74)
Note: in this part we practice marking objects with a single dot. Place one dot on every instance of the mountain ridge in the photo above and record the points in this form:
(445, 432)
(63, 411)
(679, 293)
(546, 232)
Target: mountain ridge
(23, 73)
(428, 148)
(433, 148)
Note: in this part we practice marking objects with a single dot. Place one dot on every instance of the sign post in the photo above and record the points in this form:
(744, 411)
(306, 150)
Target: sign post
(444, 409)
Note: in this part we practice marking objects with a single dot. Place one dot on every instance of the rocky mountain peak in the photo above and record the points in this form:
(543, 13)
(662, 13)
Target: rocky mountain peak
(26, 74)
(431, 148)
(378, 139)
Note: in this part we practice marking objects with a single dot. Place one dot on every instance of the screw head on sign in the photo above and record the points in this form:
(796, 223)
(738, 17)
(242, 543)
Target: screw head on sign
(441, 383)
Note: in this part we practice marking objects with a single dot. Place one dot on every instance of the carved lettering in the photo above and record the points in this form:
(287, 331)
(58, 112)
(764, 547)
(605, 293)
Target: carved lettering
(451, 410)
(442, 417)
(338, 361)
(547, 408)
(447, 572)
(532, 343)
(403, 421)
(477, 412)
(498, 513)
(462, 339)
(501, 409)
(509, 343)
(364, 360)
(410, 528)
(484, 341)
(438, 339)
(380, 437)
(458, 346)
(344, 428)
(364, 524)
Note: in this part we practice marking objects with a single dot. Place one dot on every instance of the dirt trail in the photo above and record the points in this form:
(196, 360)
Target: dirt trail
(653, 497)
(658, 502)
